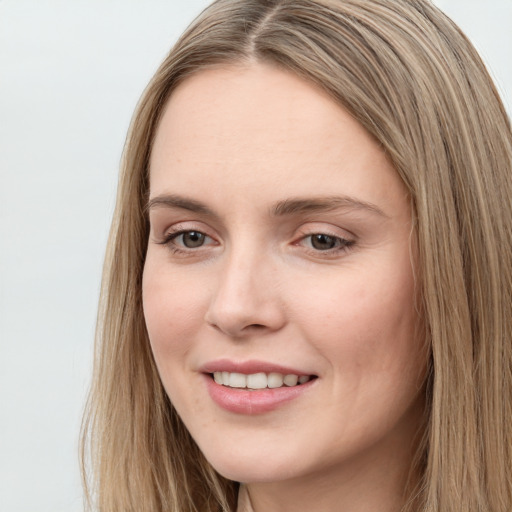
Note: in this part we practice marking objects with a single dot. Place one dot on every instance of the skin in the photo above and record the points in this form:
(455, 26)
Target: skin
(240, 140)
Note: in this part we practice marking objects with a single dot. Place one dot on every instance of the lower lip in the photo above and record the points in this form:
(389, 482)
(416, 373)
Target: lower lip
(243, 401)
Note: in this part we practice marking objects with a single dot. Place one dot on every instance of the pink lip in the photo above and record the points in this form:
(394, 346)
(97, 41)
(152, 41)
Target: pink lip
(244, 401)
(248, 367)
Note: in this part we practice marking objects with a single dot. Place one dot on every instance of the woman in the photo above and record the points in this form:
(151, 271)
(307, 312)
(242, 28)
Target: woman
(307, 292)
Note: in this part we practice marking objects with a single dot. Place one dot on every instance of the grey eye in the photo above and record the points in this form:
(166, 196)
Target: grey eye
(322, 242)
(192, 239)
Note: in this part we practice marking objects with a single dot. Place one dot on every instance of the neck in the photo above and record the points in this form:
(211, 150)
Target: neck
(349, 496)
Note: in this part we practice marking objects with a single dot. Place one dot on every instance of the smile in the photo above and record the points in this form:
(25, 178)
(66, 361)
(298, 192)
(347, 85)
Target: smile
(259, 380)
(256, 393)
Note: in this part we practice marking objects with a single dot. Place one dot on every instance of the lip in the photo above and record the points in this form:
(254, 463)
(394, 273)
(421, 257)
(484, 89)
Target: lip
(249, 367)
(251, 402)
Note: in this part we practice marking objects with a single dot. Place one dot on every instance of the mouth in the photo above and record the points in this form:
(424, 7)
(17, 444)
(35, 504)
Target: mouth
(256, 393)
(255, 387)
(260, 380)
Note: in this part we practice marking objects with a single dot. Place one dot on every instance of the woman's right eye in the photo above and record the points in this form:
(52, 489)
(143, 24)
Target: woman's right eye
(189, 239)
(186, 240)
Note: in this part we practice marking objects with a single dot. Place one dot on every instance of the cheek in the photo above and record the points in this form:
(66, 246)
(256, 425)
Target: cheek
(173, 313)
(365, 322)
(173, 310)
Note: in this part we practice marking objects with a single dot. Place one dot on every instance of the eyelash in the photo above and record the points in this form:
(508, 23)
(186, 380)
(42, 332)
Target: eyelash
(342, 244)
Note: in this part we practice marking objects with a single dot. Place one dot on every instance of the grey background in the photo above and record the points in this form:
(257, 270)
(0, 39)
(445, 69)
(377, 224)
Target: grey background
(71, 72)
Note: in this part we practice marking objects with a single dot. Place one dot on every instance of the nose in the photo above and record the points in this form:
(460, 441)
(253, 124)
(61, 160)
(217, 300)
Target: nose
(246, 300)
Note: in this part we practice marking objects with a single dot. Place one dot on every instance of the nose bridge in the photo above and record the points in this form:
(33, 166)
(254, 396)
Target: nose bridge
(245, 296)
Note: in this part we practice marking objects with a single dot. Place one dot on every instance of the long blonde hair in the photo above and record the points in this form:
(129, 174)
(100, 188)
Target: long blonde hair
(412, 79)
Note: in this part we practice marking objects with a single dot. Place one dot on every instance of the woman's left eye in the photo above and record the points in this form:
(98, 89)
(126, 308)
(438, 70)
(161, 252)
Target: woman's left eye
(323, 242)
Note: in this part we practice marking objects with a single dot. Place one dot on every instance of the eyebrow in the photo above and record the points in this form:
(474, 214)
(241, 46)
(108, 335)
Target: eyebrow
(322, 204)
(292, 206)
(183, 203)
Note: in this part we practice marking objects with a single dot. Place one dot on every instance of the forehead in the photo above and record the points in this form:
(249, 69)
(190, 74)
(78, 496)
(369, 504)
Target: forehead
(266, 129)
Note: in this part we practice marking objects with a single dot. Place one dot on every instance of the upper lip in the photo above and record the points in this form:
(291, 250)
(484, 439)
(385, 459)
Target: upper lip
(249, 367)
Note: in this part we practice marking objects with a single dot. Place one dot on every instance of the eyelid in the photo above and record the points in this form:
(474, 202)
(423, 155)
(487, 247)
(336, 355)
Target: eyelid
(185, 226)
(325, 228)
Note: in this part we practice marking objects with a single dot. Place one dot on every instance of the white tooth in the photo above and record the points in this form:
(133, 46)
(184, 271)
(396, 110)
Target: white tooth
(275, 380)
(303, 379)
(217, 377)
(257, 381)
(225, 378)
(237, 380)
(291, 380)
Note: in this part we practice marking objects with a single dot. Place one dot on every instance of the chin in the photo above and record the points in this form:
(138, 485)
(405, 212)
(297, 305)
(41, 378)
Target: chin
(259, 472)
(257, 466)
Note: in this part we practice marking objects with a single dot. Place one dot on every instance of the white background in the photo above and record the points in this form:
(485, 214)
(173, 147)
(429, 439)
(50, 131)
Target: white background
(71, 72)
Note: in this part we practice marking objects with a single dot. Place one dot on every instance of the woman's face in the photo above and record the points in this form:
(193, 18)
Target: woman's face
(281, 244)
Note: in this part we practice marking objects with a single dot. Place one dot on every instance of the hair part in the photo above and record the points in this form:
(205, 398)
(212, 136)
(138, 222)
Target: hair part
(413, 80)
